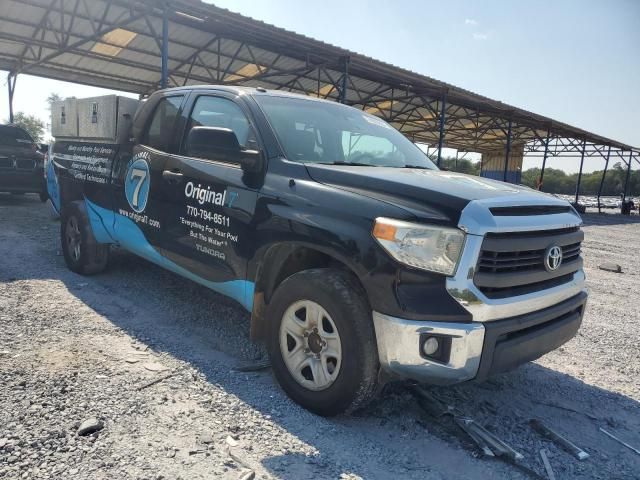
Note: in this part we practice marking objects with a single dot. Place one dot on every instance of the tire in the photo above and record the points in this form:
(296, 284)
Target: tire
(82, 253)
(343, 375)
(44, 196)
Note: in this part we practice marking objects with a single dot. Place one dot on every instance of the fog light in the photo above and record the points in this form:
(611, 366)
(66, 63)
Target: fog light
(430, 346)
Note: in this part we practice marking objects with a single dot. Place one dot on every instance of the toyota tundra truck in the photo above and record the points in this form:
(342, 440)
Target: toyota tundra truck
(358, 260)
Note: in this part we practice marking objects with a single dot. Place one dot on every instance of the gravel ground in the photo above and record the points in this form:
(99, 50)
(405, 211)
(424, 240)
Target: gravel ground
(77, 348)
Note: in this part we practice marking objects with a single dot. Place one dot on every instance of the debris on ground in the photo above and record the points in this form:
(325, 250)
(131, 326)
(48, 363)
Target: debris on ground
(154, 382)
(554, 436)
(620, 441)
(249, 475)
(89, 426)
(429, 403)
(196, 451)
(610, 267)
(487, 441)
(547, 464)
(231, 441)
(254, 366)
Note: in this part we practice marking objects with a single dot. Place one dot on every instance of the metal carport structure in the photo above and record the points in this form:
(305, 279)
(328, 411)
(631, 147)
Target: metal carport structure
(140, 46)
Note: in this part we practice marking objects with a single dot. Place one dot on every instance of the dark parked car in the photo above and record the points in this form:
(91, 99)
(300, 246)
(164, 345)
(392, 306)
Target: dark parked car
(21, 164)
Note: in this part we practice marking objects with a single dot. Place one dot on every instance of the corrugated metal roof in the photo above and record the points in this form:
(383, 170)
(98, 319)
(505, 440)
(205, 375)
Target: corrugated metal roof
(208, 44)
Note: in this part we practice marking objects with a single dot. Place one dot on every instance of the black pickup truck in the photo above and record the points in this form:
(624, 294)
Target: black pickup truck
(358, 259)
(21, 164)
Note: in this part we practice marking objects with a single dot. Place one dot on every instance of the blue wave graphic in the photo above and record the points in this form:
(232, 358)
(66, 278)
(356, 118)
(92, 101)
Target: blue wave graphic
(111, 227)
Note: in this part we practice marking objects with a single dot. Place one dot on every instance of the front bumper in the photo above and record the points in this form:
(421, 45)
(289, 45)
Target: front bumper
(476, 350)
(22, 181)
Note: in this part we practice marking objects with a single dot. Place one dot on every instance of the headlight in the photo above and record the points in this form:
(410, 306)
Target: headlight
(432, 248)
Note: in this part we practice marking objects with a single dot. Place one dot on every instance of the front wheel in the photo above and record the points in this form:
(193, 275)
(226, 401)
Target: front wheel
(82, 253)
(321, 341)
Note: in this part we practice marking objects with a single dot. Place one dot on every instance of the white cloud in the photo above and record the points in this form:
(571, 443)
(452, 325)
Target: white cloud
(470, 21)
(480, 36)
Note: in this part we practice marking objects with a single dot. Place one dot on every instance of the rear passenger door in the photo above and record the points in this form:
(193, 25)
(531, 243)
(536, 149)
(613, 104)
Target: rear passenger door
(209, 203)
(139, 183)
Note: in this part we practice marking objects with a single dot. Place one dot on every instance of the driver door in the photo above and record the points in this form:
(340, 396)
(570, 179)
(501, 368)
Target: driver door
(209, 203)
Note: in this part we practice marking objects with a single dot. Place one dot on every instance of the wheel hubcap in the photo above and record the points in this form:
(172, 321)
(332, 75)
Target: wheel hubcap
(310, 345)
(73, 238)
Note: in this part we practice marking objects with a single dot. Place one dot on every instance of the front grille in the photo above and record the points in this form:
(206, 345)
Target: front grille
(513, 264)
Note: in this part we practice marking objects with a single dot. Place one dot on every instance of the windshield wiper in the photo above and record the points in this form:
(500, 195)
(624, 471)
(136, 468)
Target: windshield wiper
(421, 167)
(356, 164)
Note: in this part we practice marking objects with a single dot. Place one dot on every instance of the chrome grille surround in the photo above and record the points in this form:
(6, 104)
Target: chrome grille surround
(478, 221)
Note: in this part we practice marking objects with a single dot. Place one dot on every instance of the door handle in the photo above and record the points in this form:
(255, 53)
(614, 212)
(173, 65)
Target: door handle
(172, 176)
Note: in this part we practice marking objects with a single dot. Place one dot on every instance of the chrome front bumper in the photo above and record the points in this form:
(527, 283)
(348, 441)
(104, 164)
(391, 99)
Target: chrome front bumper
(477, 349)
(399, 352)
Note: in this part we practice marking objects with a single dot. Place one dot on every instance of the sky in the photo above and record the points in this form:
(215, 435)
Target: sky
(576, 61)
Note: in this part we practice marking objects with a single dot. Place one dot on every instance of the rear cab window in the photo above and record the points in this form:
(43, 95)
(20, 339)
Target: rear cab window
(160, 131)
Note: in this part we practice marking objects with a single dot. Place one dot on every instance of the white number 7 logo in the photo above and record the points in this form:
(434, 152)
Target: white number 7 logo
(140, 175)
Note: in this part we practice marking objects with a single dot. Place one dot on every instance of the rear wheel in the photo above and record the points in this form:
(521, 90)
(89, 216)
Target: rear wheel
(321, 341)
(43, 196)
(82, 253)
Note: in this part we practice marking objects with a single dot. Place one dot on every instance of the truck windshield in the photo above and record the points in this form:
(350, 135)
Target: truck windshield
(322, 132)
(13, 136)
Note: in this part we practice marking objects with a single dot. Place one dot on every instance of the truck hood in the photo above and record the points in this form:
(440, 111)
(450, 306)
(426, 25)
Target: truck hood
(433, 194)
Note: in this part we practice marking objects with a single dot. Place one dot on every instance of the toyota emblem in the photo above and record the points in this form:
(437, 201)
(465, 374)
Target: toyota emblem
(553, 258)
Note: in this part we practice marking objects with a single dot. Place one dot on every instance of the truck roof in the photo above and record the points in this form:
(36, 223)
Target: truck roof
(238, 90)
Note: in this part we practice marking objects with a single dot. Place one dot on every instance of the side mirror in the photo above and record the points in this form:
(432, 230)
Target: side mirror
(221, 144)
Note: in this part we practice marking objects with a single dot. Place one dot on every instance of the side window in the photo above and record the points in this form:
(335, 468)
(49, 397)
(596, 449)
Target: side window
(221, 112)
(160, 130)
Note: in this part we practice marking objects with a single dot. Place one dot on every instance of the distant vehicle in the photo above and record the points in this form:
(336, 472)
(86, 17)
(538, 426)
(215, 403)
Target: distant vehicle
(358, 259)
(21, 164)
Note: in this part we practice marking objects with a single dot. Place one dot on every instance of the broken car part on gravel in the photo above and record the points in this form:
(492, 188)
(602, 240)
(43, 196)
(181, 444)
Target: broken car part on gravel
(490, 445)
(547, 465)
(619, 441)
(570, 447)
(487, 440)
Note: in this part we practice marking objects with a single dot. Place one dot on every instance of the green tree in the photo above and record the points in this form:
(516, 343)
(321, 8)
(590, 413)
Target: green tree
(53, 97)
(461, 165)
(557, 181)
(32, 124)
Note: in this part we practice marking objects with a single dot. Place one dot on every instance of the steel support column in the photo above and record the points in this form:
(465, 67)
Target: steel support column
(584, 146)
(11, 84)
(544, 160)
(443, 112)
(507, 153)
(165, 48)
(344, 80)
(626, 181)
(606, 166)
